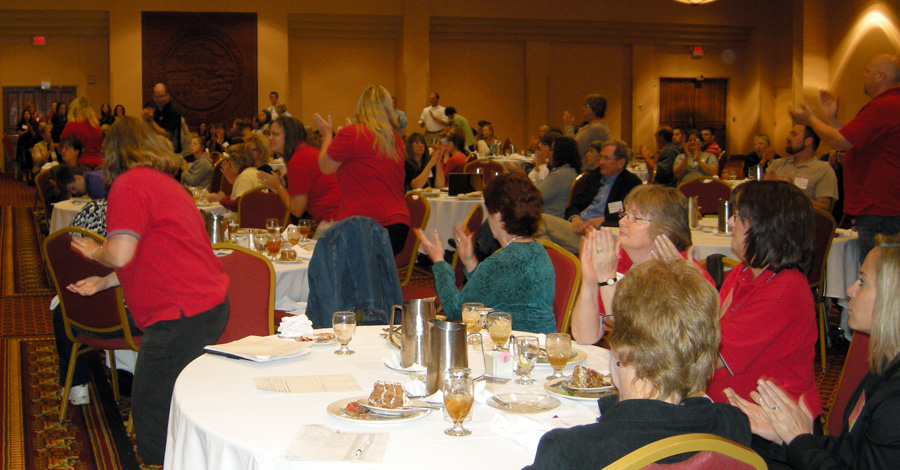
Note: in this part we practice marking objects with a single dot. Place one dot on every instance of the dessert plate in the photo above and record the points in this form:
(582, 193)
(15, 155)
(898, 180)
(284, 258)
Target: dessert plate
(358, 414)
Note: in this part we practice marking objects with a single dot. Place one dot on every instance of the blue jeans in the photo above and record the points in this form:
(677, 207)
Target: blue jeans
(870, 225)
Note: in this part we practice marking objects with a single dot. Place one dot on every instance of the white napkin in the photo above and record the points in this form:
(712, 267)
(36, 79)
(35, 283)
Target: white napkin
(288, 305)
(481, 394)
(304, 252)
(527, 431)
(415, 388)
(284, 233)
(393, 362)
(294, 326)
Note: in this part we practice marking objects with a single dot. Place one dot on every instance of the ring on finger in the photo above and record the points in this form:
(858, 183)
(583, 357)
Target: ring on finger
(775, 408)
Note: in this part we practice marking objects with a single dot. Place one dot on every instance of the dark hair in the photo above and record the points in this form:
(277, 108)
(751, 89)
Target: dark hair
(565, 152)
(449, 111)
(107, 113)
(274, 93)
(693, 132)
(117, 108)
(436, 94)
(412, 139)
(809, 133)
(483, 123)
(458, 142)
(781, 225)
(666, 133)
(150, 104)
(294, 133)
(64, 175)
(550, 137)
(268, 117)
(517, 200)
(683, 132)
(71, 141)
(710, 129)
(597, 104)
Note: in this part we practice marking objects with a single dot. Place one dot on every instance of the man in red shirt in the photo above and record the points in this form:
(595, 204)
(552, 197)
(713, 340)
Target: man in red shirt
(709, 142)
(872, 144)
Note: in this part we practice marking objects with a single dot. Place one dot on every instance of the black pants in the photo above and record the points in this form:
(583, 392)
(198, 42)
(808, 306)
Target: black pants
(397, 233)
(166, 349)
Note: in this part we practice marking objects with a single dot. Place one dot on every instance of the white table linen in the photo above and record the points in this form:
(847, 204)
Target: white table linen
(446, 211)
(64, 212)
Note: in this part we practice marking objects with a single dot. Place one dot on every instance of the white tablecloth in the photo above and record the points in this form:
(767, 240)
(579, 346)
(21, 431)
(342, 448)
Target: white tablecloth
(64, 212)
(219, 420)
(446, 211)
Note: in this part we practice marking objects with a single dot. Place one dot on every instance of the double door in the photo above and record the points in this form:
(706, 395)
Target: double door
(15, 99)
(692, 103)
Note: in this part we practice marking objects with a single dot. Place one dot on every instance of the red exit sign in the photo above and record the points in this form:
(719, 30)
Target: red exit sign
(39, 40)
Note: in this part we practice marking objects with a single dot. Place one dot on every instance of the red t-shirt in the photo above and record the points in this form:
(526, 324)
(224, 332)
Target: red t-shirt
(455, 164)
(872, 166)
(304, 177)
(371, 184)
(174, 269)
(91, 139)
(768, 331)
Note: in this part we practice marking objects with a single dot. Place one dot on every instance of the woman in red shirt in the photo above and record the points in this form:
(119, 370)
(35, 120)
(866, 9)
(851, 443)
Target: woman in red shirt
(84, 126)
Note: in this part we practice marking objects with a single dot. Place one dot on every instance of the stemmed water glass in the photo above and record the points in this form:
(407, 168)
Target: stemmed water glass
(305, 225)
(344, 326)
(458, 389)
(273, 225)
(273, 244)
(470, 318)
(233, 226)
(527, 351)
(559, 348)
(499, 327)
(293, 235)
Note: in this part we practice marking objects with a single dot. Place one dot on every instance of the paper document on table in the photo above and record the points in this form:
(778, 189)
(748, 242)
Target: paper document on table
(260, 348)
(323, 444)
(308, 383)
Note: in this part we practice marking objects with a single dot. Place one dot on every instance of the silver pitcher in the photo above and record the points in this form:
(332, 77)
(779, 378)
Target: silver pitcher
(694, 215)
(448, 349)
(215, 226)
(415, 332)
(724, 214)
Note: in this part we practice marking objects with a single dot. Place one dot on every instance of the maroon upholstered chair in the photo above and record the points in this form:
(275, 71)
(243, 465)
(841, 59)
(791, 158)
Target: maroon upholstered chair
(568, 280)
(419, 211)
(708, 190)
(103, 312)
(215, 183)
(472, 225)
(251, 293)
(825, 228)
(577, 187)
(713, 453)
(855, 368)
(256, 205)
(488, 168)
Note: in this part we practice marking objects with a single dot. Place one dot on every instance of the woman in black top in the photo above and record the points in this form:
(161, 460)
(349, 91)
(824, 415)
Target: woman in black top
(106, 115)
(420, 166)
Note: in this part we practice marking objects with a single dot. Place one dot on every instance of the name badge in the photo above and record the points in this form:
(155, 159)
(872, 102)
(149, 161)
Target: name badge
(801, 183)
(614, 207)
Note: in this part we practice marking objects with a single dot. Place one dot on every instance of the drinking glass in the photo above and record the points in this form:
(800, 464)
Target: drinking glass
(527, 351)
(233, 226)
(470, 318)
(499, 327)
(273, 244)
(195, 193)
(483, 312)
(458, 391)
(559, 348)
(273, 225)
(344, 326)
(305, 226)
(259, 240)
(293, 235)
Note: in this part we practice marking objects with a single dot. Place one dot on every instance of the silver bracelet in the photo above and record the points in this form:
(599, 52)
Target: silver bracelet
(94, 252)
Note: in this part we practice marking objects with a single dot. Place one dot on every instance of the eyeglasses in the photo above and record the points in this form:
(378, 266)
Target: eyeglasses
(632, 216)
(693, 140)
(608, 320)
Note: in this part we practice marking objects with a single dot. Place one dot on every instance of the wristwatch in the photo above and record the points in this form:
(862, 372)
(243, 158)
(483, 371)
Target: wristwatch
(608, 282)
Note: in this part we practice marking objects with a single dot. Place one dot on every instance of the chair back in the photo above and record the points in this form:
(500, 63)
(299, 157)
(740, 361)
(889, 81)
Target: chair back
(708, 192)
(568, 280)
(419, 211)
(103, 312)
(486, 167)
(577, 187)
(825, 228)
(855, 368)
(722, 159)
(725, 454)
(472, 225)
(251, 293)
(715, 265)
(215, 183)
(257, 205)
(42, 184)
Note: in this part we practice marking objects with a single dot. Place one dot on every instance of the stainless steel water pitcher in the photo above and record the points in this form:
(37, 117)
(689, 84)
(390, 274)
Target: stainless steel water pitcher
(415, 331)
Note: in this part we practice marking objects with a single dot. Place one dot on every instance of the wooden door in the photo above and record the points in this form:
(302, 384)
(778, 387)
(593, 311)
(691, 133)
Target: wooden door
(690, 103)
(15, 99)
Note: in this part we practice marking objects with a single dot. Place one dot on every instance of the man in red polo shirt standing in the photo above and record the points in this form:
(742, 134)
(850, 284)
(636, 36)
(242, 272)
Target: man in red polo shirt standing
(872, 143)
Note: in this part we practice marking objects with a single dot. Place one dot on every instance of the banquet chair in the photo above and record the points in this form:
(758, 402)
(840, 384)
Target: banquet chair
(259, 204)
(723, 159)
(855, 368)
(419, 211)
(42, 186)
(251, 293)
(708, 192)
(577, 187)
(824, 235)
(101, 313)
(568, 280)
(715, 265)
(486, 167)
(215, 183)
(472, 225)
(712, 453)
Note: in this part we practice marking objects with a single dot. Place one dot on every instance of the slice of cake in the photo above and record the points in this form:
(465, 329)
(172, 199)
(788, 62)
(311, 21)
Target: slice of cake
(388, 395)
(585, 377)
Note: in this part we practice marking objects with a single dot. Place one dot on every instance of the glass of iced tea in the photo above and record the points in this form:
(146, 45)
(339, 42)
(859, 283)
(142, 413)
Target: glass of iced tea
(344, 326)
(459, 394)
(470, 317)
(559, 348)
(273, 244)
(499, 327)
(305, 226)
(293, 235)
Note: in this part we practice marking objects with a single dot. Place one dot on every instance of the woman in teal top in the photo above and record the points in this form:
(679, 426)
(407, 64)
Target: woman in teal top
(517, 279)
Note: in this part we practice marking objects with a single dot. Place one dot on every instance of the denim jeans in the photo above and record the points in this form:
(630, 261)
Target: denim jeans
(167, 348)
(871, 225)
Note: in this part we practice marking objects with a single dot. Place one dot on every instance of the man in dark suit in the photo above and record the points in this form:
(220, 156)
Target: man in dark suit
(601, 199)
(665, 162)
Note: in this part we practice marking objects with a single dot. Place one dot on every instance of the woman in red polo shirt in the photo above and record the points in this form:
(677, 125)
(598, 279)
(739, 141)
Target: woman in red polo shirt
(173, 283)
(367, 156)
(84, 126)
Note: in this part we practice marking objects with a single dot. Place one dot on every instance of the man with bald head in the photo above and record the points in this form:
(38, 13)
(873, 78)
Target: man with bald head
(872, 144)
(165, 119)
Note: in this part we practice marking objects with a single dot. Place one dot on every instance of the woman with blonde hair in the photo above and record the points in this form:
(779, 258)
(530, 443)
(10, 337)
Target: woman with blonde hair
(83, 125)
(242, 169)
(172, 281)
(368, 157)
(870, 437)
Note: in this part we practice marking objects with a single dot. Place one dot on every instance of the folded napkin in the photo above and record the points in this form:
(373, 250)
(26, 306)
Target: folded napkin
(284, 232)
(305, 251)
(288, 305)
(393, 362)
(294, 326)
(527, 431)
(481, 394)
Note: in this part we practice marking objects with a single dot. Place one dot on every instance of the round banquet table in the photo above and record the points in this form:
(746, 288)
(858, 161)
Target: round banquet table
(219, 420)
(64, 212)
(446, 211)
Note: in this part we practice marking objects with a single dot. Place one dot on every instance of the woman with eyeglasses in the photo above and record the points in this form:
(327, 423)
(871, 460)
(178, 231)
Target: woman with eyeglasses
(652, 215)
(694, 162)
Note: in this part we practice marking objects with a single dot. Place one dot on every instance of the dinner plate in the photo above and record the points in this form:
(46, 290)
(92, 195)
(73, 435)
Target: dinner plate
(579, 357)
(394, 411)
(555, 387)
(567, 385)
(293, 261)
(523, 403)
(320, 339)
(339, 410)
